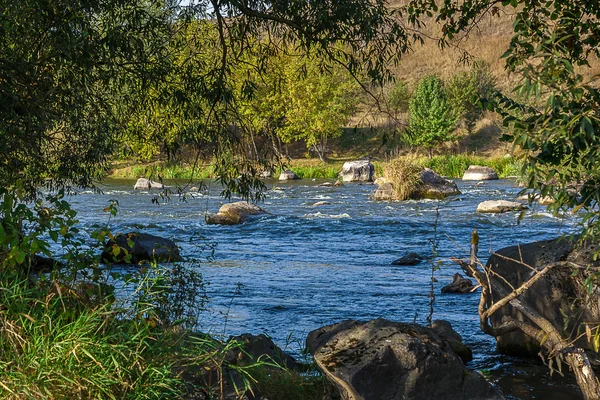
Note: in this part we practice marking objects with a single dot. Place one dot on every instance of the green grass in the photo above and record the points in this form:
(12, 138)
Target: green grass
(454, 166)
(325, 171)
(165, 171)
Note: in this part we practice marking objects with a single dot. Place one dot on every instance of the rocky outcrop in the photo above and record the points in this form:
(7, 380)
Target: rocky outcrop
(235, 213)
(146, 184)
(135, 248)
(357, 171)
(557, 294)
(459, 285)
(288, 175)
(381, 359)
(430, 186)
(408, 259)
(433, 186)
(500, 206)
(479, 173)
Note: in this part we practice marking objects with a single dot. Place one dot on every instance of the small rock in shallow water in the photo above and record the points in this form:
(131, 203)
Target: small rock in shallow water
(408, 259)
(459, 284)
(321, 203)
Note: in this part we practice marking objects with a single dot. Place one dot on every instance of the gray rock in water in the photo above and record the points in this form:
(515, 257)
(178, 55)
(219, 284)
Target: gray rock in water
(430, 186)
(408, 259)
(552, 296)
(288, 175)
(321, 203)
(500, 206)
(235, 213)
(433, 186)
(459, 285)
(479, 173)
(381, 359)
(144, 248)
(357, 171)
(146, 184)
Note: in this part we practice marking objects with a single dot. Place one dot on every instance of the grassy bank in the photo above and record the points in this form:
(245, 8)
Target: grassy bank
(452, 166)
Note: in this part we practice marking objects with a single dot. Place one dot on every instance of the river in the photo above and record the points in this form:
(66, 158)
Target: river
(303, 267)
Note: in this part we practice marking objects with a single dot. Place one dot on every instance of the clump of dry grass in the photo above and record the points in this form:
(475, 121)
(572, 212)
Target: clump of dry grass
(404, 174)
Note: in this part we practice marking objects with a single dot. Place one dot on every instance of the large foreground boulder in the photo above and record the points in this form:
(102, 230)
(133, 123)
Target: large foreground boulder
(385, 360)
(146, 184)
(357, 171)
(500, 206)
(135, 247)
(235, 213)
(561, 292)
(479, 173)
(430, 186)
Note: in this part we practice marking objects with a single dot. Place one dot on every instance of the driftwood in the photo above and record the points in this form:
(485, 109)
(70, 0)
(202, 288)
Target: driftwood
(538, 327)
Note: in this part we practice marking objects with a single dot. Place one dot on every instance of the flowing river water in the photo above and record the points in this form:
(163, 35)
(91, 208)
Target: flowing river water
(303, 267)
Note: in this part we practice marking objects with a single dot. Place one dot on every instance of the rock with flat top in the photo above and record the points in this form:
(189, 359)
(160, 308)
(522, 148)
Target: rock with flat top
(288, 175)
(235, 213)
(500, 206)
(479, 173)
(146, 184)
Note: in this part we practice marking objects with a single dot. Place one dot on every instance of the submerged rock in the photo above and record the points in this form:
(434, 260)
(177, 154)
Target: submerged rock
(146, 184)
(381, 359)
(479, 173)
(288, 175)
(235, 213)
(136, 247)
(408, 259)
(321, 203)
(357, 171)
(459, 285)
(500, 206)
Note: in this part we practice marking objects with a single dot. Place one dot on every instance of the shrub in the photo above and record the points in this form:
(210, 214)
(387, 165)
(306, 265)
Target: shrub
(432, 120)
(404, 173)
(465, 89)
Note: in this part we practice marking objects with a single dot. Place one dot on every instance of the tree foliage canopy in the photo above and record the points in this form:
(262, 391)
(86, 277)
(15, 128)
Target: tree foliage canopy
(77, 74)
(432, 119)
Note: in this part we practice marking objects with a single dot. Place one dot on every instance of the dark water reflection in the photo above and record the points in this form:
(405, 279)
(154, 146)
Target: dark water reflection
(304, 267)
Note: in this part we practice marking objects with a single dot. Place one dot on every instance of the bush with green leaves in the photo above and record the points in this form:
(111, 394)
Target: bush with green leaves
(432, 119)
(466, 89)
(398, 98)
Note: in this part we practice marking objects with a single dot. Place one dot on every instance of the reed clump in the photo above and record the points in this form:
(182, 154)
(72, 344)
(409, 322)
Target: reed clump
(404, 174)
